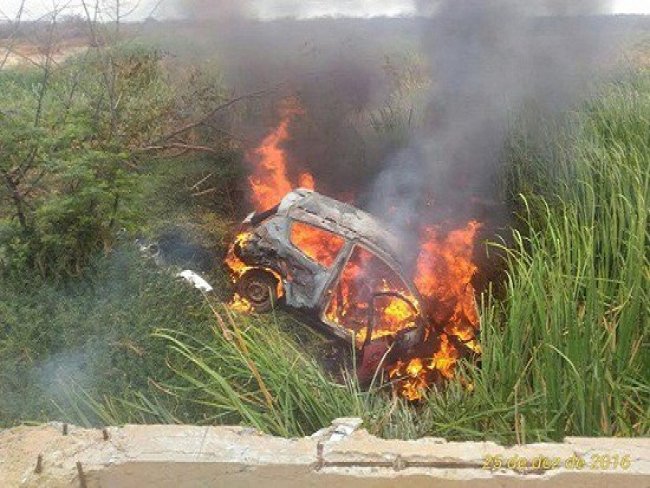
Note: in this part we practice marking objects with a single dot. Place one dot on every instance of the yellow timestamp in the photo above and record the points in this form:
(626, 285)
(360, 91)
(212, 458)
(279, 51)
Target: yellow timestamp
(594, 462)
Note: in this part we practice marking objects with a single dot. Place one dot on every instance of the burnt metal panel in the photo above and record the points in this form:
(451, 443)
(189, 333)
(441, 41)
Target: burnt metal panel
(306, 282)
(270, 246)
(343, 219)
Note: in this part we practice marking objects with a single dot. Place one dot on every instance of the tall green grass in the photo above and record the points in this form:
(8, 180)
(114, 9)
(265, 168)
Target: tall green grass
(565, 339)
(573, 329)
(252, 371)
(565, 350)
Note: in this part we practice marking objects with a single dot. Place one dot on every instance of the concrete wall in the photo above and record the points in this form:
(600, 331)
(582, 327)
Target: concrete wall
(342, 455)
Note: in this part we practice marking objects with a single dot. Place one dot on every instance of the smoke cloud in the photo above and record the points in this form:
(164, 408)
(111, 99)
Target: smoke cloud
(335, 68)
(489, 60)
(215, 10)
(530, 7)
(297, 9)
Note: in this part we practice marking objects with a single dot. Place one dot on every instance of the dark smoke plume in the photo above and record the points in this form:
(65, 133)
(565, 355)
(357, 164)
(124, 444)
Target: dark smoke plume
(489, 61)
(334, 67)
(214, 10)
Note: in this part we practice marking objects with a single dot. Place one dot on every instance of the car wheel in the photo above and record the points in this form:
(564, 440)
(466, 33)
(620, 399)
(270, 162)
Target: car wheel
(260, 289)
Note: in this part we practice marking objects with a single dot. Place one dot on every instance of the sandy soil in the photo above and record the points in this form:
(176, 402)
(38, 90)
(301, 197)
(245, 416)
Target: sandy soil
(15, 55)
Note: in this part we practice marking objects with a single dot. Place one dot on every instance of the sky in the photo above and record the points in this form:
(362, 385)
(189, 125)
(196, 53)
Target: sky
(633, 6)
(273, 8)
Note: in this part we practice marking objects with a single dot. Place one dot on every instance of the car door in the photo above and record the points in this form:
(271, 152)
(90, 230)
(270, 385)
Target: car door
(368, 289)
(370, 301)
(316, 250)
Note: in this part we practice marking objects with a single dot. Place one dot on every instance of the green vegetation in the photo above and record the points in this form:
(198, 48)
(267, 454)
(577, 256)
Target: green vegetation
(109, 350)
(571, 337)
(93, 333)
(64, 156)
(76, 140)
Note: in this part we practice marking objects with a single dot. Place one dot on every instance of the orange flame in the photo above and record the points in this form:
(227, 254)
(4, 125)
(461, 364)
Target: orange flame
(237, 269)
(444, 273)
(269, 181)
(319, 244)
(237, 266)
(362, 277)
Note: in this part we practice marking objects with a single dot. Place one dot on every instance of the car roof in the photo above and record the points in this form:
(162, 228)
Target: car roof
(340, 218)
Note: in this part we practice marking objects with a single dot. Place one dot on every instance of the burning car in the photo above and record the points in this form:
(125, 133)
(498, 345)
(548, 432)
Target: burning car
(344, 269)
(338, 264)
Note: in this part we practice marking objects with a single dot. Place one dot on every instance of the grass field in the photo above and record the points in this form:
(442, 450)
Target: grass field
(565, 336)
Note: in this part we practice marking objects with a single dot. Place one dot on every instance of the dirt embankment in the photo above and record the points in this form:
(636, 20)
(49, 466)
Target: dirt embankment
(16, 54)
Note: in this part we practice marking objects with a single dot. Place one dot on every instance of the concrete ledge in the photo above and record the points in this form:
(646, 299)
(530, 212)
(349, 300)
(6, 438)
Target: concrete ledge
(342, 455)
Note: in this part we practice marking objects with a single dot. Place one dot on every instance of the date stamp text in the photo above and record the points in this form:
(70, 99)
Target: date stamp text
(540, 463)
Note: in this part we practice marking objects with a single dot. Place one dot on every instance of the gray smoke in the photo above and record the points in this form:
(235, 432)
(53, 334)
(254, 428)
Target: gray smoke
(489, 61)
(334, 67)
(215, 10)
(528, 7)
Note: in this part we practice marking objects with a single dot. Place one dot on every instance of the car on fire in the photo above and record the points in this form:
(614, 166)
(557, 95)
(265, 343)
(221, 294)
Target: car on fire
(337, 263)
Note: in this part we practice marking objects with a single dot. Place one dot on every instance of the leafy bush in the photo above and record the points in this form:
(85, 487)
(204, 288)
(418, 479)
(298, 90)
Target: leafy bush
(65, 156)
(73, 139)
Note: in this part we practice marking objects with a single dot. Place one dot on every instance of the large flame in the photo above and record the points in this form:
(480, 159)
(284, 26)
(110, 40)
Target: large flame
(363, 276)
(270, 181)
(319, 244)
(444, 273)
(445, 269)
(443, 276)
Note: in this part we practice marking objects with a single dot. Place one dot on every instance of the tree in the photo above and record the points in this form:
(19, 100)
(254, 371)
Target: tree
(65, 137)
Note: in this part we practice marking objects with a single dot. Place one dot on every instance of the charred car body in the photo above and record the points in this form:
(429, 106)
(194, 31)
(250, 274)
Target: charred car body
(338, 264)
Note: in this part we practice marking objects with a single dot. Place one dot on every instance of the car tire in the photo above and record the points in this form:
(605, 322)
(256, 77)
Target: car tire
(260, 289)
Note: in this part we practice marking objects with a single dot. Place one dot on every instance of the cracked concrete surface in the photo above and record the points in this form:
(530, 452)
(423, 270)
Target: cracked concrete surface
(341, 455)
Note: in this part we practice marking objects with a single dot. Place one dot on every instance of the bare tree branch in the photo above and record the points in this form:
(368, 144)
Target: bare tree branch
(155, 8)
(203, 120)
(46, 69)
(135, 7)
(19, 16)
(196, 185)
(108, 73)
(17, 197)
(179, 145)
(204, 192)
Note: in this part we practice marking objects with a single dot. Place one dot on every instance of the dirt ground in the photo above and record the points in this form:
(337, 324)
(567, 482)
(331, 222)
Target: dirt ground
(24, 54)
